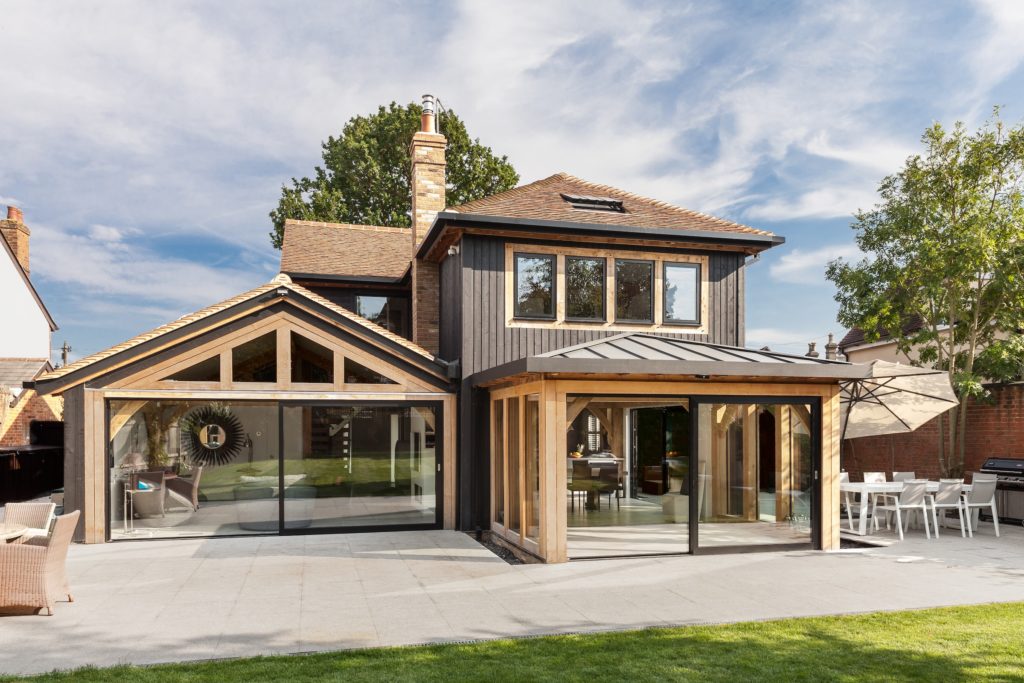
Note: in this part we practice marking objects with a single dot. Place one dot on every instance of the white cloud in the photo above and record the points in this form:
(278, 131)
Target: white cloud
(822, 203)
(800, 266)
(108, 233)
(110, 274)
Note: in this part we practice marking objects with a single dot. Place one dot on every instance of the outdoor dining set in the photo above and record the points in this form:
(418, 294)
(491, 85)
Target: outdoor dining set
(906, 497)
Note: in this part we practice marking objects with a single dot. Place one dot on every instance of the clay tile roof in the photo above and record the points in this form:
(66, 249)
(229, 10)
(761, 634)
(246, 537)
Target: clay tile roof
(278, 281)
(543, 200)
(340, 249)
(858, 336)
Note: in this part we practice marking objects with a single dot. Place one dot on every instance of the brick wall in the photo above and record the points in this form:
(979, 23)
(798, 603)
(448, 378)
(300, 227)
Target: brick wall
(29, 406)
(993, 429)
(428, 198)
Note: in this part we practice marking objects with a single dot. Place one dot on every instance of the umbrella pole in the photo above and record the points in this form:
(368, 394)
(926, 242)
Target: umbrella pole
(892, 453)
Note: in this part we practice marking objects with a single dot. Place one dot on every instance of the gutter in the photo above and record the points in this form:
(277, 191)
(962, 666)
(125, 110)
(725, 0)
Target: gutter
(445, 218)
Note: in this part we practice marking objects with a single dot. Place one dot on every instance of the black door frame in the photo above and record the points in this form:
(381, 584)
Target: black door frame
(438, 469)
(439, 441)
(816, 465)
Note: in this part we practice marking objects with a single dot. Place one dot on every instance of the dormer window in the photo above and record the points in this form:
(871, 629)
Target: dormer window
(588, 203)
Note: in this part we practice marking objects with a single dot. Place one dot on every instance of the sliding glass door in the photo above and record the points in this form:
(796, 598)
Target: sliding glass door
(756, 478)
(214, 468)
(360, 466)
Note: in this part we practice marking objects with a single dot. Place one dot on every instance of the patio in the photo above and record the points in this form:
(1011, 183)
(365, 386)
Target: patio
(193, 599)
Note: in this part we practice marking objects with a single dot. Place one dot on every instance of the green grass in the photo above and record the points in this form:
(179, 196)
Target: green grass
(983, 643)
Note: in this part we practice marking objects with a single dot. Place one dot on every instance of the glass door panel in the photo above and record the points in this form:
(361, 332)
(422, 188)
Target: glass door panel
(754, 477)
(359, 466)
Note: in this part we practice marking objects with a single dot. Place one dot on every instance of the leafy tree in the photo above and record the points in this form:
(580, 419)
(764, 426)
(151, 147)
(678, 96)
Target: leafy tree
(365, 175)
(946, 243)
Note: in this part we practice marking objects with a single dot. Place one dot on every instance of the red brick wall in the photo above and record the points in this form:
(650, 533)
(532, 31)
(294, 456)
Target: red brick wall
(29, 406)
(994, 429)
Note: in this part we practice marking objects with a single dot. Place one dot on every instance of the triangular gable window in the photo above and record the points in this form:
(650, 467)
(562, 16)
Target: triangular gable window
(356, 373)
(256, 360)
(311, 362)
(204, 371)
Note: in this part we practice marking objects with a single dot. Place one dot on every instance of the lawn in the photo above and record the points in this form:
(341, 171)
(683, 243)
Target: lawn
(983, 643)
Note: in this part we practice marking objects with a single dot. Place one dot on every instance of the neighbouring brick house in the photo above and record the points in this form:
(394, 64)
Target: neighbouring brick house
(25, 342)
(527, 365)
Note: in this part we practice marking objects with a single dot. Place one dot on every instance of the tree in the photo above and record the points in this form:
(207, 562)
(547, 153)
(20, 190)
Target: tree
(946, 243)
(365, 174)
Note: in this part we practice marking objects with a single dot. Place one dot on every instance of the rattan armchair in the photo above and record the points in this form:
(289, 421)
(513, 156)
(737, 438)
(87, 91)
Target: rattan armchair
(36, 516)
(34, 573)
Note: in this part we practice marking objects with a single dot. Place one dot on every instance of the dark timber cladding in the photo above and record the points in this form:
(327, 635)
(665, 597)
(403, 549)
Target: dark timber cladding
(487, 342)
(474, 331)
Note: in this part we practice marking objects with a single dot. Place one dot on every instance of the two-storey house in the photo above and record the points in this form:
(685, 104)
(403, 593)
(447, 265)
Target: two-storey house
(560, 365)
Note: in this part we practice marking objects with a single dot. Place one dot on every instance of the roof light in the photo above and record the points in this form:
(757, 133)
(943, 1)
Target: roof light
(589, 203)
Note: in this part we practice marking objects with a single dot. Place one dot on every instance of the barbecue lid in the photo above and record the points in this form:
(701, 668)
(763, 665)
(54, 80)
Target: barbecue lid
(1004, 465)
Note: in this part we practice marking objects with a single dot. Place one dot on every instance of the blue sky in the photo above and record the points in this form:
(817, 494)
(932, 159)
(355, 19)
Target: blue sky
(146, 142)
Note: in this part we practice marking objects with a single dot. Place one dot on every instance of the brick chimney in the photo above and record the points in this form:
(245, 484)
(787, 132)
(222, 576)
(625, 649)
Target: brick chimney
(428, 189)
(16, 233)
(831, 348)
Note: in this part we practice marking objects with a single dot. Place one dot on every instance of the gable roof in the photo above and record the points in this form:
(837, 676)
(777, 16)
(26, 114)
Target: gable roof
(543, 200)
(29, 285)
(654, 354)
(279, 282)
(342, 250)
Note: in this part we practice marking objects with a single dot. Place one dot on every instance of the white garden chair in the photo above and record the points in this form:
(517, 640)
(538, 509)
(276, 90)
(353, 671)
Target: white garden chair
(903, 476)
(913, 497)
(946, 498)
(981, 495)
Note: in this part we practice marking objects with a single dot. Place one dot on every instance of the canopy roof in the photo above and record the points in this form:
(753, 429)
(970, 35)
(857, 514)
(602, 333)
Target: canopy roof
(652, 354)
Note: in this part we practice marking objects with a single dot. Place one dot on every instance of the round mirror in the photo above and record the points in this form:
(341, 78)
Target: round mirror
(211, 436)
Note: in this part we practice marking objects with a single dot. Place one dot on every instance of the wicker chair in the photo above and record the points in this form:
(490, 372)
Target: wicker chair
(33, 574)
(36, 516)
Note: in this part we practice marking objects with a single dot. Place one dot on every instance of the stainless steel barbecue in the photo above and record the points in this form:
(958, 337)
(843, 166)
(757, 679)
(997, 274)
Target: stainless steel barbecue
(1009, 487)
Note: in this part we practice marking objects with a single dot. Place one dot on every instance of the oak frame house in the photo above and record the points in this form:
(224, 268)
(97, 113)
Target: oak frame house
(560, 365)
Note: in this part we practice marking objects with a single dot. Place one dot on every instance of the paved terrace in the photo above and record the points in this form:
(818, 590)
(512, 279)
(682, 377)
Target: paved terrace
(159, 601)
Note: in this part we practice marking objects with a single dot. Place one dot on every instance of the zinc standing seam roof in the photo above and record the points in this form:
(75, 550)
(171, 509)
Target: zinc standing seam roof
(645, 353)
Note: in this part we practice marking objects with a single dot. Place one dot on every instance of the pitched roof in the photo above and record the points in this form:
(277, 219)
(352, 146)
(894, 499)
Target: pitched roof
(281, 280)
(857, 336)
(645, 353)
(342, 249)
(28, 283)
(14, 371)
(543, 200)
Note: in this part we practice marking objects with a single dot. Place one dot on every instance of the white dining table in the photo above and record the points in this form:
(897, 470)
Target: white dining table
(866, 491)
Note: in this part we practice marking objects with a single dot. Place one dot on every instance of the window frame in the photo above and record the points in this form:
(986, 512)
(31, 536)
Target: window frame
(665, 318)
(553, 260)
(604, 288)
(653, 308)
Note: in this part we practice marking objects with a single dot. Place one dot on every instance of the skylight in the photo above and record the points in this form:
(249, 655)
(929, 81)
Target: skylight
(589, 203)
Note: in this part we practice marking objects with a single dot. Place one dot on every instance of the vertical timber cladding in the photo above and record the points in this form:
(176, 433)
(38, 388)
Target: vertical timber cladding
(486, 342)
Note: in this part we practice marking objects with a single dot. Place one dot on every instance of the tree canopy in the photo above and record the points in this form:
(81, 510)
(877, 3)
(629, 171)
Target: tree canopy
(365, 176)
(946, 244)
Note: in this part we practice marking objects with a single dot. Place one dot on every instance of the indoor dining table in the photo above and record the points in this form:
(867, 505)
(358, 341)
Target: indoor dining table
(867, 491)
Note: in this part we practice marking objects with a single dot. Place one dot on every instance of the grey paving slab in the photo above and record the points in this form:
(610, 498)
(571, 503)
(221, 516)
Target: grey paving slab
(186, 599)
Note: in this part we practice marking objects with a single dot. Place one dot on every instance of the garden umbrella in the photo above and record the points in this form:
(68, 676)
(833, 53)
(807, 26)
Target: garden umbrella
(893, 398)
